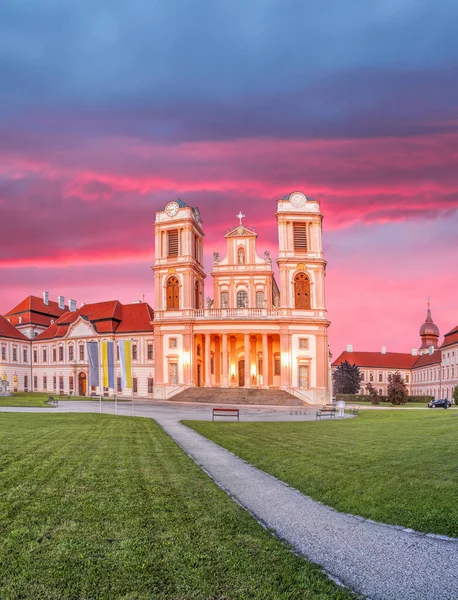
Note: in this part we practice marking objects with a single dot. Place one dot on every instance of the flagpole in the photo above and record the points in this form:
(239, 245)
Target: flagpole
(132, 384)
(100, 389)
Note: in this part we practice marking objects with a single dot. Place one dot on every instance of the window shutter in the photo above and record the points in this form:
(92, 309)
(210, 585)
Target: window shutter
(173, 242)
(300, 237)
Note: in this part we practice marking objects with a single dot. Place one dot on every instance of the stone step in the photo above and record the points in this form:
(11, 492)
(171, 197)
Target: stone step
(237, 396)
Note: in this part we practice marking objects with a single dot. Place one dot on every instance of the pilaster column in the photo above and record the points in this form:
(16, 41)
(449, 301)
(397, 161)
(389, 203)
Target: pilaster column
(208, 377)
(285, 361)
(233, 363)
(265, 361)
(225, 379)
(217, 360)
(246, 345)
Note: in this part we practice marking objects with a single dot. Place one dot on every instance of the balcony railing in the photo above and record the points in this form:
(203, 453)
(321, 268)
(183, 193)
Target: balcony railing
(236, 313)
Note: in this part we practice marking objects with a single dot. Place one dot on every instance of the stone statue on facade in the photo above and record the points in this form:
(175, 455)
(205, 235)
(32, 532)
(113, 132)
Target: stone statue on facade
(267, 258)
(209, 303)
(216, 257)
(276, 301)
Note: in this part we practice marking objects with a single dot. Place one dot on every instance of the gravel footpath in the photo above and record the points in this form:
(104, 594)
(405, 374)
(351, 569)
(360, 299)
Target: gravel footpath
(379, 561)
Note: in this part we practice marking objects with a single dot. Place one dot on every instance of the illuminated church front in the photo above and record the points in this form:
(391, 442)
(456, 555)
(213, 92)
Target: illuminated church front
(252, 332)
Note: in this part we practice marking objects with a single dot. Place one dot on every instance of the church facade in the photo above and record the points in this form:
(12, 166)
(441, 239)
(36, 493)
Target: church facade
(253, 332)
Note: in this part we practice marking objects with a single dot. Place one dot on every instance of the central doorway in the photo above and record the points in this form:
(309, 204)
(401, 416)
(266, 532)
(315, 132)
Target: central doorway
(242, 373)
(82, 384)
(199, 375)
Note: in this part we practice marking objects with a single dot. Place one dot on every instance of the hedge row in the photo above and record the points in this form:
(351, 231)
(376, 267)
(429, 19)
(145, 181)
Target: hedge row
(363, 398)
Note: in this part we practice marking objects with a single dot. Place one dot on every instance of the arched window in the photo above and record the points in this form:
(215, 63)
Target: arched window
(173, 293)
(196, 295)
(260, 302)
(241, 256)
(301, 291)
(242, 299)
(224, 299)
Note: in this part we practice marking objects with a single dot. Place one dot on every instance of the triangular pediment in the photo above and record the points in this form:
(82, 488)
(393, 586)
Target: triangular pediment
(80, 328)
(241, 231)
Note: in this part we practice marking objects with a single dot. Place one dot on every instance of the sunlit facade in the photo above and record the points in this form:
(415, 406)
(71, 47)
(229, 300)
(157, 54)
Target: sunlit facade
(252, 332)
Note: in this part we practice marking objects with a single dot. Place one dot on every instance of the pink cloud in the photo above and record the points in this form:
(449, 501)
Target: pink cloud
(94, 205)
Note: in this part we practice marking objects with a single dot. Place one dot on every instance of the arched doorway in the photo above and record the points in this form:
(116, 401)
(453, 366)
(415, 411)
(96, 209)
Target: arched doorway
(82, 384)
(242, 373)
(199, 375)
(173, 293)
(301, 291)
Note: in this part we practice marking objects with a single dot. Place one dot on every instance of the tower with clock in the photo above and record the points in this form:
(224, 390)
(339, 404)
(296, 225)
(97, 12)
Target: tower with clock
(179, 288)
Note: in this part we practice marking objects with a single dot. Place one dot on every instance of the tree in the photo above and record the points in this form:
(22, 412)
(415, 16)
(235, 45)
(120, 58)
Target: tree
(347, 379)
(455, 394)
(372, 393)
(397, 390)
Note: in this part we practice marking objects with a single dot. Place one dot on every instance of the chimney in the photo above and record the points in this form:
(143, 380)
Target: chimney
(61, 302)
(72, 305)
(414, 352)
(46, 298)
(383, 349)
(349, 347)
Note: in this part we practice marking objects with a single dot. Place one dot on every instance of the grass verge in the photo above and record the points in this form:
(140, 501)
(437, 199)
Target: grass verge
(397, 467)
(37, 399)
(96, 506)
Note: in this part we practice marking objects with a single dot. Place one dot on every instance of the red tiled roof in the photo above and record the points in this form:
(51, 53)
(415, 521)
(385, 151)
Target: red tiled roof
(136, 317)
(7, 330)
(34, 312)
(106, 317)
(428, 359)
(390, 360)
(451, 337)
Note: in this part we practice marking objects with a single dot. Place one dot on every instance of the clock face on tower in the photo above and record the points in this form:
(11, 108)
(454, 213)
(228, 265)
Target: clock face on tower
(298, 199)
(171, 209)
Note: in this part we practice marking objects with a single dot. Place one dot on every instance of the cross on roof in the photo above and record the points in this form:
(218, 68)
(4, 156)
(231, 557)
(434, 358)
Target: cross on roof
(240, 216)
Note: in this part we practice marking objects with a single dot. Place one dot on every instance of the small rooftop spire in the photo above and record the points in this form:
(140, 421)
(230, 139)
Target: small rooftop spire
(429, 318)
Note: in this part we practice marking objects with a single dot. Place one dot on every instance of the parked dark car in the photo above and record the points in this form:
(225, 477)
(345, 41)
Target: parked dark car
(442, 403)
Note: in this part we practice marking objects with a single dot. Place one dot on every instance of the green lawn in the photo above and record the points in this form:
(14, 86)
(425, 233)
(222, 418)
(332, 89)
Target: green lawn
(25, 399)
(388, 405)
(97, 506)
(40, 400)
(398, 467)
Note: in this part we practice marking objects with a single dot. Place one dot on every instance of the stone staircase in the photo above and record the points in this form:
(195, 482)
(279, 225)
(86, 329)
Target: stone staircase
(237, 396)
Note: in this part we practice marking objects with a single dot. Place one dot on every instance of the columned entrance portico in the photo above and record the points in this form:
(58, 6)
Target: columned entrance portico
(245, 359)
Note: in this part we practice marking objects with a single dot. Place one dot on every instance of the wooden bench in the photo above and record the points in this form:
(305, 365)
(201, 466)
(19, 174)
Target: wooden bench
(64, 396)
(53, 401)
(226, 412)
(328, 410)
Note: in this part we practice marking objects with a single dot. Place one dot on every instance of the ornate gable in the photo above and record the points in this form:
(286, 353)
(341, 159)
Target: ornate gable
(240, 231)
(80, 328)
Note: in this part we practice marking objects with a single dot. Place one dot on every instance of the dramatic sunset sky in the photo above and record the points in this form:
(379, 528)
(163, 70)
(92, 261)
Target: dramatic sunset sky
(110, 109)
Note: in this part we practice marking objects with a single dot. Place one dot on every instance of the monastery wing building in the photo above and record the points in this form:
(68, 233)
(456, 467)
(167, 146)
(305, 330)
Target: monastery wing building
(429, 370)
(253, 333)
